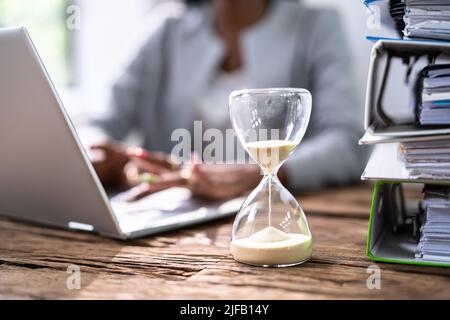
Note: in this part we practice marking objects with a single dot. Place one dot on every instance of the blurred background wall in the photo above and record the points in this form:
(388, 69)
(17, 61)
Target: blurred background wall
(83, 62)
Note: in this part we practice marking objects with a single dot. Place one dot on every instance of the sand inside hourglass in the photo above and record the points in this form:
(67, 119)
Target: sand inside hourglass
(270, 153)
(272, 247)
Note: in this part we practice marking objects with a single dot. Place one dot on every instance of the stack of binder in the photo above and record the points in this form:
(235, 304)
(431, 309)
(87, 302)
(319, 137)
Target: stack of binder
(409, 154)
(414, 19)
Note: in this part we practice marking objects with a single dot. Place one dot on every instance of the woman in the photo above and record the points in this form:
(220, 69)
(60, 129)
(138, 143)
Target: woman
(195, 54)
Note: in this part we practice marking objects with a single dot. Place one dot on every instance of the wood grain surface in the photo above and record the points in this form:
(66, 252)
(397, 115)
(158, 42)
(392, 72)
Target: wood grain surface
(195, 263)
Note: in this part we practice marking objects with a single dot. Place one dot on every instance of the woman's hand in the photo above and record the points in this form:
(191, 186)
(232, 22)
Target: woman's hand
(150, 172)
(121, 167)
(222, 182)
(212, 182)
(152, 162)
(109, 161)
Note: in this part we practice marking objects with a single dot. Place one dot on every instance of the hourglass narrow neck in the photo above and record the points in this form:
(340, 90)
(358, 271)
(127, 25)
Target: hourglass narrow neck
(270, 178)
(270, 172)
(273, 177)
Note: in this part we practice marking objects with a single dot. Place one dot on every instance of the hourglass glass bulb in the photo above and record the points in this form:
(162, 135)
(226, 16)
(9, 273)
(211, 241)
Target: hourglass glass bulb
(271, 228)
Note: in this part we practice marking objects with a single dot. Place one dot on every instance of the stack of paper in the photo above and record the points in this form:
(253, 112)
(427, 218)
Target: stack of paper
(434, 90)
(434, 241)
(428, 19)
(426, 159)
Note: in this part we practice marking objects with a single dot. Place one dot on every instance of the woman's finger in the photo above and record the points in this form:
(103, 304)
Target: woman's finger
(155, 158)
(147, 166)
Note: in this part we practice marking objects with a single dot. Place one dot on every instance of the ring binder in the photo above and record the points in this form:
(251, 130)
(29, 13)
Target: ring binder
(400, 244)
(377, 121)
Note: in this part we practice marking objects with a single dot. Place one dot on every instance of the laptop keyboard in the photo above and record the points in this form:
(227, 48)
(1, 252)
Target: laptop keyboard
(171, 206)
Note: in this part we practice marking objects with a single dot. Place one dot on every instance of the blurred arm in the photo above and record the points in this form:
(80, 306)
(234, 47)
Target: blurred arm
(329, 154)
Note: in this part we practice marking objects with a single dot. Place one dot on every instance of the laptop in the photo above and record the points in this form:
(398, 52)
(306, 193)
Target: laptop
(45, 174)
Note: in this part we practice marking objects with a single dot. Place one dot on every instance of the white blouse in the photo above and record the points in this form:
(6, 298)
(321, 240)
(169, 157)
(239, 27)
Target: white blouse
(212, 109)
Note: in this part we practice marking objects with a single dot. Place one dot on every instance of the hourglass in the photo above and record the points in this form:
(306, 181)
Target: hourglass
(270, 229)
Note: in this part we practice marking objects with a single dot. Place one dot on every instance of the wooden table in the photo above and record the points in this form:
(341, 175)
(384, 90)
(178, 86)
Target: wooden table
(195, 263)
